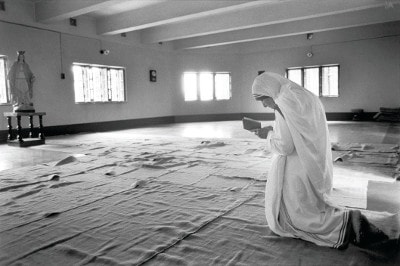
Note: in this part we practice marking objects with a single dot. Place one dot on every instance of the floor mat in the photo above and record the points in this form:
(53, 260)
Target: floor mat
(389, 200)
(161, 201)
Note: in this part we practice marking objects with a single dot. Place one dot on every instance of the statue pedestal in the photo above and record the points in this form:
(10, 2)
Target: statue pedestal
(18, 140)
(24, 108)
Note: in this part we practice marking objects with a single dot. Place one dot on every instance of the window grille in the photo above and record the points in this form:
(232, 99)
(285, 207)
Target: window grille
(321, 80)
(4, 93)
(95, 83)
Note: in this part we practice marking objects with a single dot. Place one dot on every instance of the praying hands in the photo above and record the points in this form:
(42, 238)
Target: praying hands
(263, 132)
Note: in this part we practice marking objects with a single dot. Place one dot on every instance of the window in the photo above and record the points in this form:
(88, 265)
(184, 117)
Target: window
(190, 85)
(320, 80)
(4, 95)
(95, 83)
(206, 86)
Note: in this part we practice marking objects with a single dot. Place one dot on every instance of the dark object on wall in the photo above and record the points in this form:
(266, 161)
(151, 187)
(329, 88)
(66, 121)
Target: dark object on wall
(2, 6)
(388, 114)
(72, 22)
(358, 114)
(260, 72)
(62, 75)
(153, 75)
(105, 51)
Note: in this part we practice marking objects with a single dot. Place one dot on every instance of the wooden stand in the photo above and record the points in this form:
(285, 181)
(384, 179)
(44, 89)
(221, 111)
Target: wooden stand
(18, 140)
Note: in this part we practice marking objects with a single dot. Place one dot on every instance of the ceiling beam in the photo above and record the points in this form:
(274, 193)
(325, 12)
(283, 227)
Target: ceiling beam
(170, 12)
(266, 14)
(319, 24)
(375, 31)
(56, 10)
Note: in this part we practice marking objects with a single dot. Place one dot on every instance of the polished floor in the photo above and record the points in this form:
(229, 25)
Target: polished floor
(380, 196)
(343, 132)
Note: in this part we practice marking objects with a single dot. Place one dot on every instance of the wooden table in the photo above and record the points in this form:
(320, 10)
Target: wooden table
(18, 140)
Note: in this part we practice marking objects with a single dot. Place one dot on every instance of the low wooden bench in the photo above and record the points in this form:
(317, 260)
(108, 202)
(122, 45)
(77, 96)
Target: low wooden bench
(17, 139)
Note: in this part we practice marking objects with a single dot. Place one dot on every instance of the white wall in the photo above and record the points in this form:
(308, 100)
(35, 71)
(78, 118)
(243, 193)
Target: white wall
(56, 96)
(369, 68)
(369, 59)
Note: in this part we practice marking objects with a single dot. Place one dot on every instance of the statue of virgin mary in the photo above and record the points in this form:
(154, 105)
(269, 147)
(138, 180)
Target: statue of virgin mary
(21, 78)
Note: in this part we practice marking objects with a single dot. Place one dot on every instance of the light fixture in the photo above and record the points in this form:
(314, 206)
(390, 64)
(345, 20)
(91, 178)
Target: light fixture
(62, 74)
(104, 51)
(73, 22)
(310, 36)
(310, 52)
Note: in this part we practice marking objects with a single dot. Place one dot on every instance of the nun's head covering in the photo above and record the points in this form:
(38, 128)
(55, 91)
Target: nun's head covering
(268, 84)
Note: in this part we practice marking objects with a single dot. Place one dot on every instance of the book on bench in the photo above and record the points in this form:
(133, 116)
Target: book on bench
(250, 124)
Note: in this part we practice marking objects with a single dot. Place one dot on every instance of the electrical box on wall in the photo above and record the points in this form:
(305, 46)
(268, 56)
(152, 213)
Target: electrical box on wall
(73, 22)
(153, 75)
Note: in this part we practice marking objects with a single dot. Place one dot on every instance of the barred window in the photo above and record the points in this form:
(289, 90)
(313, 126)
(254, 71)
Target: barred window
(96, 83)
(320, 80)
(206, 86)
(4, 94)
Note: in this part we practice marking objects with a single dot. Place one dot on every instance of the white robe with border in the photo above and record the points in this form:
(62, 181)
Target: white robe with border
(292, 206)
(300, 179)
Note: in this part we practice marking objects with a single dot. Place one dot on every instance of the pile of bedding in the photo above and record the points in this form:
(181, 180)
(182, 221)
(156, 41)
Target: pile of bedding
(388, 114)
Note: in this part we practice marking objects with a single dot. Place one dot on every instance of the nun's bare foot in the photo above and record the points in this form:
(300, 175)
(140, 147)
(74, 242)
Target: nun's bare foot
(365, 233)
(356, 224)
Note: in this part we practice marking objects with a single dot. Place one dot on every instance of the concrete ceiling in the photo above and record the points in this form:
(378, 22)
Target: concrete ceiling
(197, 24)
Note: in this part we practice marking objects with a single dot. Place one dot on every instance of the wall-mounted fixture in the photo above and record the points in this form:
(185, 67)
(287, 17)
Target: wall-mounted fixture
(153, 75)
(62, 74)
(2, 6)
(310, 52)
(73, 22)
(310, 36)
(260, 72)
(123, 34)
(105, 51)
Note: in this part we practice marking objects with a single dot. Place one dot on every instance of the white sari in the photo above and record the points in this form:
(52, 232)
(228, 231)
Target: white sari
(300, 178)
